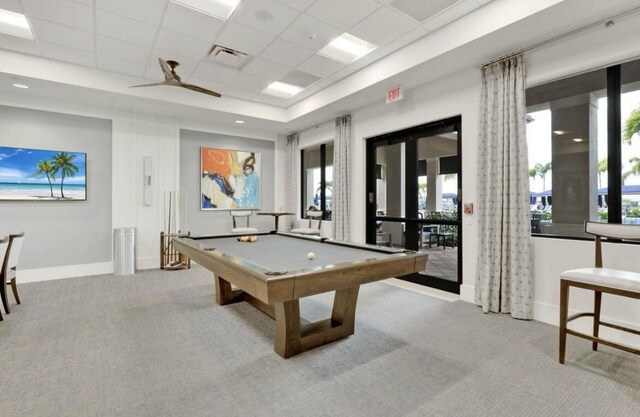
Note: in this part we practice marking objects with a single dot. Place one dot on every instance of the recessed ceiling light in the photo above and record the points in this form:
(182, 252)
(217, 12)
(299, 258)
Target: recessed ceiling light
(560, 132)
(282, 90)
(347, 48)
(23, 86)
(15, 24)
(240, 122)
(222, 9)
(577, 139)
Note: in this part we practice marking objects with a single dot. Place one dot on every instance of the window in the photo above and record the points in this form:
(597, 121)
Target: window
(583, 164)
(317, 179)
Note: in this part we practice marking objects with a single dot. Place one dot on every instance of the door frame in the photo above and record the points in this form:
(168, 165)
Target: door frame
(410, 137)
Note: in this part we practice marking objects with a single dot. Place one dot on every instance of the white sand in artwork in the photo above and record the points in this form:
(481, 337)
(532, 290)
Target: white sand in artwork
(38, 194)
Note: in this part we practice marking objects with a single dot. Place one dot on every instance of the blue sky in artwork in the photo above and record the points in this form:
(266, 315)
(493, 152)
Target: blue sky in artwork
(17, 165)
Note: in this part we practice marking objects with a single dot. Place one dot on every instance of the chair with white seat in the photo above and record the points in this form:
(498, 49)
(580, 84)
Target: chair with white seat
(4, 245)
(239, 214)
(310, 230)
(9, 269)
(599, 280)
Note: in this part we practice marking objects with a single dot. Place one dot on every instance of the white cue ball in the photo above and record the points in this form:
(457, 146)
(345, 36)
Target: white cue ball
(311, 255)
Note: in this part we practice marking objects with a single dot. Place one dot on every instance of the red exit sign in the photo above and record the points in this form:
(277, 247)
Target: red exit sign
(395, 94)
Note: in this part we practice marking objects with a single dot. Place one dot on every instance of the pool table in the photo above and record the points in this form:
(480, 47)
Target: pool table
(274, 272)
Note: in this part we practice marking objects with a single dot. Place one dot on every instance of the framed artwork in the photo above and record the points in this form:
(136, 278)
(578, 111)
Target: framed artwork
(229, 179)
(42, 175)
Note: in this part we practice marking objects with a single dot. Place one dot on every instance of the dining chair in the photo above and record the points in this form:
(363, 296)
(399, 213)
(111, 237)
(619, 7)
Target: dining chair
(4, 244)
(599, 280)
(9, 269)
(242, 214)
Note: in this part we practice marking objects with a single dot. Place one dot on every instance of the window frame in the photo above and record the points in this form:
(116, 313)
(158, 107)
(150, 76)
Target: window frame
(323, 182)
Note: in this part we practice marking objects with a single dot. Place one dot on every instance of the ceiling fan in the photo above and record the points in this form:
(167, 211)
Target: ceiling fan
(173, 79)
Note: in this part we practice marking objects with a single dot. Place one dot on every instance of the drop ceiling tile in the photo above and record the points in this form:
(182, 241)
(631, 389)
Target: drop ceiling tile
(191, 23)
(148, 11)
(120, 66)
(422, 10)
(180, 44)
(301, 5)
(243, 39)
(153, 73)
(382, 27)
(215, 73)
(266, 69)
(208, 84)
(266, 16)
(336, 14)
(125, 29)
(370, 58)
(13, 43)
(239, 92)
(122, 50)
(186, 67)
(320, 66)
(250, 82)
(299, 78)
(310, 33)
(85, 2)
(449, 15)
(406, 39)
(286, 53)
(64, 12)
(11, 5)
(63, 35)
(62, 53)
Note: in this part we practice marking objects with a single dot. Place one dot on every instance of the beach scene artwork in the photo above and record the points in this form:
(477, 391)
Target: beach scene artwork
(43, 175)
(229, 179)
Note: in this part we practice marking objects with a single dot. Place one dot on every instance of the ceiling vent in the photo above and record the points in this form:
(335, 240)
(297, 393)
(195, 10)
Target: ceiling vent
(228, 57)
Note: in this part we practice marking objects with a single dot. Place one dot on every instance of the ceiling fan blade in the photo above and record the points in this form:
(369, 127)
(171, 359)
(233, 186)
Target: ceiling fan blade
(148, 85)
(200, 89)
(166, 69)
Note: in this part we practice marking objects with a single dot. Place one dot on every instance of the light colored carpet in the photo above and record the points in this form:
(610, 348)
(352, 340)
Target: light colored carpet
(156, 344)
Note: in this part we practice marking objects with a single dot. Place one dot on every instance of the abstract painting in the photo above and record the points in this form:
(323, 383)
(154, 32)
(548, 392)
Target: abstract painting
(229, 179)
(42, 175)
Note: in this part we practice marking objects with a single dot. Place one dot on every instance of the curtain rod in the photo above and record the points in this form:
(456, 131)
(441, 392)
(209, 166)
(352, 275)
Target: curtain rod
(563, 36)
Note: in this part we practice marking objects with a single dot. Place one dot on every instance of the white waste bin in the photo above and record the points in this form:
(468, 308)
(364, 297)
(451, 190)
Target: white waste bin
(124, 251)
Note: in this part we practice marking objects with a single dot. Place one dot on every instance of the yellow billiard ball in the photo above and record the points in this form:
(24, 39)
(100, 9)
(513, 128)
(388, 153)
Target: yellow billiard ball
(311, 255)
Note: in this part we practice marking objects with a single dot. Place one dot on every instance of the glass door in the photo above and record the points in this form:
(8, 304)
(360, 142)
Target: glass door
(413, 192)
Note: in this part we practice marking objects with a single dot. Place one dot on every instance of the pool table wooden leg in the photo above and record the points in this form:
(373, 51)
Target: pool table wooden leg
(292, 337)
(288, 333)
(224, 294)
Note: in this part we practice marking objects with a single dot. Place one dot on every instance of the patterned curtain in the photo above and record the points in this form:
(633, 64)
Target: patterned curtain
(292, 174)
(503, 279)
(341, 193)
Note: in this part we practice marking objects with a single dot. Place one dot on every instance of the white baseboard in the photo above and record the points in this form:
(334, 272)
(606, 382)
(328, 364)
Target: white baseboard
(468, 293)
(60, 272)
(148, 263)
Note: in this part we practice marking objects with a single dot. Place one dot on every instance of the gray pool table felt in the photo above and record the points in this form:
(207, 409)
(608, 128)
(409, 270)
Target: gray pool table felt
(282, 253)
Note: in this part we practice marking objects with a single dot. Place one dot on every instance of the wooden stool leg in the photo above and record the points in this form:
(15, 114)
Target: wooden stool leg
(288, 328)
(564, 310)
(596, 317)
(14, 288)
(3, 295)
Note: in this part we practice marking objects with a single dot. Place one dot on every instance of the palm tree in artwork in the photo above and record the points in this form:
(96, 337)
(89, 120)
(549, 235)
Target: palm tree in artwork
(45, 167)
(62, 161)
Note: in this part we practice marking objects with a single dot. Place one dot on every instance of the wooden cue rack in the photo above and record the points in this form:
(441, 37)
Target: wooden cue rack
(171, 259)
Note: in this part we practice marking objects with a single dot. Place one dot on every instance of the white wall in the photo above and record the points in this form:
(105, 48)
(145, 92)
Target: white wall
(458, 94)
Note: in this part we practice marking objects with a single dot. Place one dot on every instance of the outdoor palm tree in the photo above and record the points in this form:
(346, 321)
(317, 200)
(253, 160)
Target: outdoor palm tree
(603, 166)
(62, 161)
(634, 170)
(542, 171)
(631, 126)
(45, 167)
